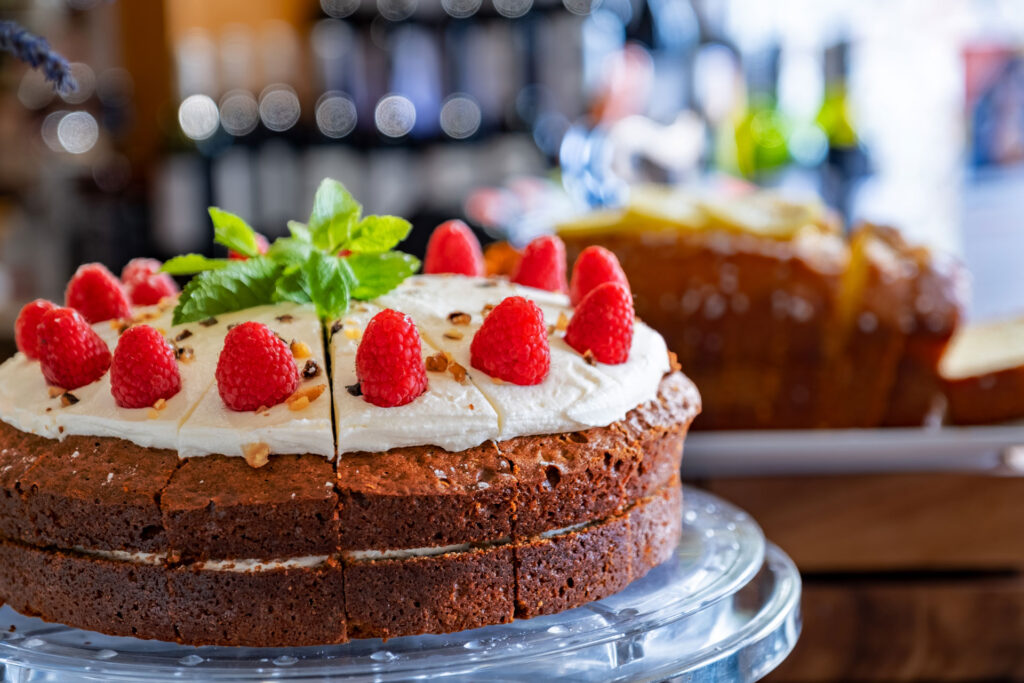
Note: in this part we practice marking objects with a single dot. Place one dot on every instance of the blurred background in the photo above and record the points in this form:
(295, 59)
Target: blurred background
(514, 113)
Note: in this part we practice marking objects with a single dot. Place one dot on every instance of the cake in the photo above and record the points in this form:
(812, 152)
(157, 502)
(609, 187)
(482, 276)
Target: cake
(396, 489)
(781, 320)
(983, 372)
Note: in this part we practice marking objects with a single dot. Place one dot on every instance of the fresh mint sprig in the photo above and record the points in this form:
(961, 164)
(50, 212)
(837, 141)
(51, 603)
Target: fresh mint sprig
(338, 255)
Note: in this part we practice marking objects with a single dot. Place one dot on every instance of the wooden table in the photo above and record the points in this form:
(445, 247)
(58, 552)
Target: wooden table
(906, 576)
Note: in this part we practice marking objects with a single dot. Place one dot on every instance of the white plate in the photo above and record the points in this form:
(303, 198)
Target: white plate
(995, 449)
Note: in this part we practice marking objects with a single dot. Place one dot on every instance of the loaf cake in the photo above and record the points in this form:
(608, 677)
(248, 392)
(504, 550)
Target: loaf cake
(983, 372)
(780, 320)
(289, 454)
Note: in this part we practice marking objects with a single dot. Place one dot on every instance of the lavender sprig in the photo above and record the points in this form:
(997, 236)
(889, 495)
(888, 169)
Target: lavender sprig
(36, 52)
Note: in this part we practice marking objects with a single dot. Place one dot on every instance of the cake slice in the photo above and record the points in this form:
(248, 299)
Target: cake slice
(983, 373)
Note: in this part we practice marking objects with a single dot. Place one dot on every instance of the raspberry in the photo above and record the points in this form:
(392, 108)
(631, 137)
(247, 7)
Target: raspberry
(139, 269)
(255, 368)
(261, 243)
(389, 361)
(149, 290)
(512, 344)
(25, 327)
(594, 266)
(543, 265)
(453, 248)
(603, 324)
(95, 293)
(143, 368)
(70, 352)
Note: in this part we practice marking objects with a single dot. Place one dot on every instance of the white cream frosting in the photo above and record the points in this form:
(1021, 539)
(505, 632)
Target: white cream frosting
(451, 415)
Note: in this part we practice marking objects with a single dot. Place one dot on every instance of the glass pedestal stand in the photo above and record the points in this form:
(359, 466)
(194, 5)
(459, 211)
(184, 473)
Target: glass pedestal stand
(725, 607)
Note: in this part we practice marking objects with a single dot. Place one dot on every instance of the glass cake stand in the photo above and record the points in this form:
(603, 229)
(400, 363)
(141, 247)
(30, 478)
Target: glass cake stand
(725, 607)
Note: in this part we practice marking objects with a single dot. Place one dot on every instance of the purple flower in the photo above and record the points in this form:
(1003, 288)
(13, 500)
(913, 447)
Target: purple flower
(36, 52)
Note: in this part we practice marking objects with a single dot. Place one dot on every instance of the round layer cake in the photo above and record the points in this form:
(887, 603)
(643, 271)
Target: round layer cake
(326, 517)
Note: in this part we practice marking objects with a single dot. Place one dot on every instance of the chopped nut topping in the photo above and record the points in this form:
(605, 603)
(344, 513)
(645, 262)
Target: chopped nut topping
(160, 404)
(153, 414)
(487, 309)
(453, 334)
(354, 389)
(185, 354)
(115, 324)
(68, 399)
(673, 362)
(183, 335)
(162, 331)
(55, 392)
(353, 333)
(588, 357)
(458, 372)
(472, 407)
(256, 454)
(298, 404)
(437, 363)
(497, 380)
(208, 322)
(311, 369)
(300, 349)
(551, 330)
(286, 318)
(562, 323)
(459, 318)
(306, 395)
(234, 325)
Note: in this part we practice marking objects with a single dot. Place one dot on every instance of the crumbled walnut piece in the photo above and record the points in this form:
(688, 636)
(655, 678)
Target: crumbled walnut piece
(55, 391)
(353, 333)
(453, 334)
(298, 404)
(208, 322)
(487, 309)
(459, 318)
(354, 389)
(588, 357)
(300, 349)
(160, 404)
(185, 354)
(286, 318)
(307, 394)
(183, 335)
(311, 369)
(458, 372)
(68, 399)
(437, 363)
(562, 323)
(256, 454)
(673, 362)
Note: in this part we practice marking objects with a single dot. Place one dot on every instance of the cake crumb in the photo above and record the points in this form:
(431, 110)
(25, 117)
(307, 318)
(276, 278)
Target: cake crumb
(300, 349)
(437, 363)
(459, 318)
(256, 454)
(458, 372)
(453, 334)
(301, 403)
(562, 323)
(472, 407)
(673, 362)
(588, 357)
(353, 333)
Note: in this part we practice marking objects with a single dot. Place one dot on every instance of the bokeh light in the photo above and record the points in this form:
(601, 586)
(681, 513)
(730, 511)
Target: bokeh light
(461, 9)
(396, 10)
(335, 115)
(394, 116)
(198, 117)
(339, 9)
(279, 107)
(581, 7)
(512, 8)
(78, 132)
(33, 90)
(85, 78)
(460, 116)
(49, 129)
(239, 112)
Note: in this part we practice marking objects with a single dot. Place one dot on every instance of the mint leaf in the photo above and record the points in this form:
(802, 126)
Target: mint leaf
(189, 264)
(300, 231)
(329, 279)
(378, 274)
(238, 285)
(290, 250)
(233, 232)
(377, 234)
(293, 285)
(334, 216)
